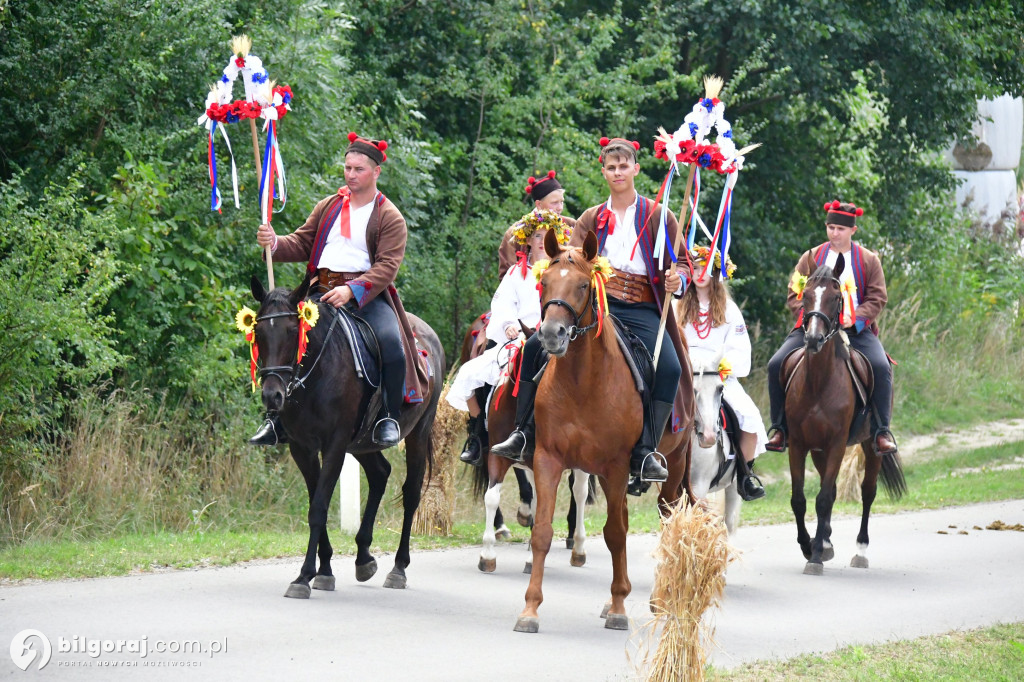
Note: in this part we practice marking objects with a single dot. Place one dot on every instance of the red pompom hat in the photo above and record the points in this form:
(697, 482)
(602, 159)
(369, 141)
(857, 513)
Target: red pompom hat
(372, 148)
(840, 213)
(538, 188)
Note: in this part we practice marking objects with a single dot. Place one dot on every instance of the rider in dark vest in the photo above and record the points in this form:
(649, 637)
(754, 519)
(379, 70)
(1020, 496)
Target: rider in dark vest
(868, 298)
(624, 226)
(354, 242)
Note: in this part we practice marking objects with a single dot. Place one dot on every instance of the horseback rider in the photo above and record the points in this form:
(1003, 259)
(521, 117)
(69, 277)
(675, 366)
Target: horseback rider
(354, 242)
(714, 328)
(864, 280)
(515, 302)
(634, 296)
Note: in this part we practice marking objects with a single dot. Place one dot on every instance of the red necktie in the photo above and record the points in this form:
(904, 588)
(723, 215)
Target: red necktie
(344, 225)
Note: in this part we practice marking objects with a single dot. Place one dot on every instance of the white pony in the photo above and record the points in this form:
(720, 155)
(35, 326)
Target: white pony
(712, 468)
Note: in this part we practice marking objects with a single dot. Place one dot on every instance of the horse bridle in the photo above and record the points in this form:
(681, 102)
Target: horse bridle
(575, 330)
(832, 323)
(276, 370)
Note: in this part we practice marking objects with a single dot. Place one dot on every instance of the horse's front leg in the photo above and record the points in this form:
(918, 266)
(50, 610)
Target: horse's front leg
(580, 482)
(524, 513)
(488, 558)
(320, 500)
(868, 489)
(531, 507)
(827, 463)
(546, 474)
(615, 529)
(377, 470)
(797, 458)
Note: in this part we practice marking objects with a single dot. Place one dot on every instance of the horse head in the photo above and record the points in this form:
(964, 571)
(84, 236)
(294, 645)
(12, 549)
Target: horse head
(277, 338)
(568, 300)
(707, 390)
(823, 305)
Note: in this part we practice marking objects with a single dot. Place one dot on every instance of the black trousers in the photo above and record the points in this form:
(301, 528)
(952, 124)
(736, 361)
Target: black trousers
(384, 322)
(867, 343)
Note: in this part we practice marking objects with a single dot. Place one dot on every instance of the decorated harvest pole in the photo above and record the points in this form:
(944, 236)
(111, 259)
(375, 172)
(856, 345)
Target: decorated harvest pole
(689, 145)
(263, 99)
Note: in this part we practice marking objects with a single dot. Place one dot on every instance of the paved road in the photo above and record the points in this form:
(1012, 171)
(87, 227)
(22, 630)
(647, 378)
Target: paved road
(454, 623)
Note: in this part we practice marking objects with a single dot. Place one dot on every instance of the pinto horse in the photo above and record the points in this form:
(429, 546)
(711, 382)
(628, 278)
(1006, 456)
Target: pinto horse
(821, 400)
(322, 402)
(588, 416)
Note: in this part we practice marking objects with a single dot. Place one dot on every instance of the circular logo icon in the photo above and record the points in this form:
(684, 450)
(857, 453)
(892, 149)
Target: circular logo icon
(24, 649)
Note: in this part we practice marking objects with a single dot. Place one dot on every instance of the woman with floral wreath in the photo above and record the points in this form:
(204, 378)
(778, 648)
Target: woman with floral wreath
(515, 302)
(714, 328)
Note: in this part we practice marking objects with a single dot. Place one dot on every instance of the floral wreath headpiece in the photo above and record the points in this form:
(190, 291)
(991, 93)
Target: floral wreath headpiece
(540, 220)
(700, 254)
(245, 322)
(690, 145)
(842, 214)
(263, 99)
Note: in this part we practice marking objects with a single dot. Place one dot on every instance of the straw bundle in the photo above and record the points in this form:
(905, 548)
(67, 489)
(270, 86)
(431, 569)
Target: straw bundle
(437, 503)
(850, 475)
(690, 578)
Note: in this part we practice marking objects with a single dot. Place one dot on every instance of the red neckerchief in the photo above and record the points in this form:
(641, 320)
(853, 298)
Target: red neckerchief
(344, 224)
(521, 263)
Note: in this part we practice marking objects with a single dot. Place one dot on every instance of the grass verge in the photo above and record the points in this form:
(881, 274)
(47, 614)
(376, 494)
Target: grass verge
(989, 654)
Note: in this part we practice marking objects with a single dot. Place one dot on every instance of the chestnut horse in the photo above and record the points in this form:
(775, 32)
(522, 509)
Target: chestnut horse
(821, 401)
(588, 416)
(322, 403)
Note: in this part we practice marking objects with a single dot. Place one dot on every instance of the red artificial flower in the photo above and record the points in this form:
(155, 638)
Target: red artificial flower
(240, 62)
(281, 111)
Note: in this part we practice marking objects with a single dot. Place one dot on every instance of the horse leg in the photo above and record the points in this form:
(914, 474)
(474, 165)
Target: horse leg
(524, 515)
(733, 503)
(377, 470)
(580, 481)
(531, 486)
(797, 501)
(546, 475)
(615, 530)
(570, 517)
(671, 489)
(500, 529)
(872, 465)
(418, 450)
(488, 559)
(827, 463)
(320, 501)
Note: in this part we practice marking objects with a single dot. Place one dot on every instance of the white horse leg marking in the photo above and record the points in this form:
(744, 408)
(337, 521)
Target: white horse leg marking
(491, 499)
(862, 549)
(579, 494)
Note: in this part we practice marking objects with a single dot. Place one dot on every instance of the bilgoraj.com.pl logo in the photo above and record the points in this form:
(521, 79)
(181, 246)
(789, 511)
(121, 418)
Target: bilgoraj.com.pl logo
(33, 647)
(28, 645)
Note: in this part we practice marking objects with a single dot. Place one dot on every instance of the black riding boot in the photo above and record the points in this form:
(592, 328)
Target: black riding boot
(643, 461)
(271, 432)
(476, 444)
(386, 431)
(521, 441)
(748, 484)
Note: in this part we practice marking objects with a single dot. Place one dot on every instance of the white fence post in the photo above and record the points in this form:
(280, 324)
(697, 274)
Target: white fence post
(348, 494)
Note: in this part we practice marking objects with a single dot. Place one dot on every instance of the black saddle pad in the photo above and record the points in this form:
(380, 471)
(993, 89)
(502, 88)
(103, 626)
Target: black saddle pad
(639, 355)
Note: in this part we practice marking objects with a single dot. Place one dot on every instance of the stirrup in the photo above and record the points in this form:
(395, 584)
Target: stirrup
(771, 434)
(741, 488)
(466, 450)
(663, 464)
(514, 456)
(379, 426)
(874, 442)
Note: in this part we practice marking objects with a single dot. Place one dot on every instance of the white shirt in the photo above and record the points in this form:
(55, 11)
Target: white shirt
(847, 276)
(516, 299)
(619, 245)
(348, 254)
(729, 339)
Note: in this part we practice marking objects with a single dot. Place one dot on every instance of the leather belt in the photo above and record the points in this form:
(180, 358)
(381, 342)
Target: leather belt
(329, 279)
(630, 288)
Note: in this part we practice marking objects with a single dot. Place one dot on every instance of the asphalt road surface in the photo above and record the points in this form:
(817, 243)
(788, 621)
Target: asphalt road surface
(455, 623)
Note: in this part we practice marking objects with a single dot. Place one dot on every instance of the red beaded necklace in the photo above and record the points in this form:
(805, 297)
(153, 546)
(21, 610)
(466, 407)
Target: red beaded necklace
(702, 325)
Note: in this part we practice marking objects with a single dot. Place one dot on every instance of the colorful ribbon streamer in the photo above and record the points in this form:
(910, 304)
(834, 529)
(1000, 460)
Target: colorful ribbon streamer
(273, 168)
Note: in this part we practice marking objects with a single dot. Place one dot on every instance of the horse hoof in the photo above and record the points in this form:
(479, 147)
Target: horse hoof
(503, 533)
(578, 560)
(525, 520)
(487, 565)
(366, 571)
(528, 568)
(395, 580)
(814, 568)
(570, 543)
(606, 609)
(859, 561)
(297, 591)
(526, 624)
(616, 621)
(828, 554)
(324, 582)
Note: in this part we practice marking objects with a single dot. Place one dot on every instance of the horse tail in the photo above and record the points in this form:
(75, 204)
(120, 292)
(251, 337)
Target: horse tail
(480, 478)
(892, 476)
(592, 490)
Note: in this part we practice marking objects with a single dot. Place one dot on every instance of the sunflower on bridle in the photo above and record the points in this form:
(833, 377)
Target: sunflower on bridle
(699, 254)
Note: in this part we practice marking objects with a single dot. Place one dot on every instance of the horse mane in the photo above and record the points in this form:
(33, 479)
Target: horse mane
(823, 272)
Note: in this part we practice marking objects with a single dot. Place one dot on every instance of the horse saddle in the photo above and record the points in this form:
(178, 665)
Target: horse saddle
(861, 374)
(641, 364)
(731, 426)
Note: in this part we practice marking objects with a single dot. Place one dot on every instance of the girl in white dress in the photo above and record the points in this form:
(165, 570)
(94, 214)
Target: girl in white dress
(516, 300)
(713, 326)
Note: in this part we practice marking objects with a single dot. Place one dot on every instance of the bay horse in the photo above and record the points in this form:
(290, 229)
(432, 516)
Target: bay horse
(710, 471)
(588, 416)
(322, 402)
(821, 400)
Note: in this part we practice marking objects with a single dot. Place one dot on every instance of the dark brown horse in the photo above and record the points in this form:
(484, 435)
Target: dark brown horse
(588, 416)
(821, 400)
(322, 403)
